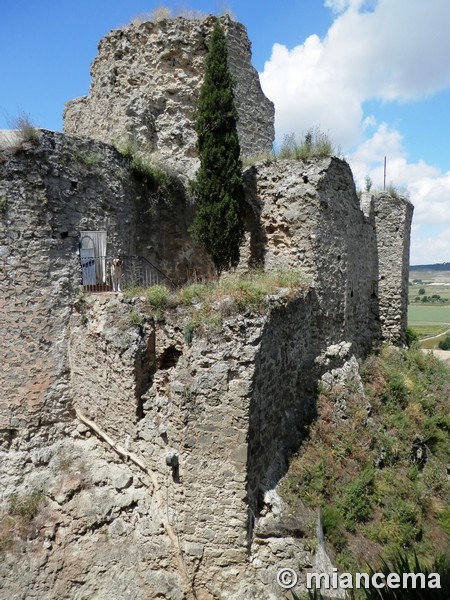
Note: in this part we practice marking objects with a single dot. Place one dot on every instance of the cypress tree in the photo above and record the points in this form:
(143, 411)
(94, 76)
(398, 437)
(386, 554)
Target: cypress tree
(219, 187)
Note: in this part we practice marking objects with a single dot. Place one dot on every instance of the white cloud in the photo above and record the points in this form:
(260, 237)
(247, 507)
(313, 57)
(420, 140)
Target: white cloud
(390, 50)
(397, 51)
(430, 249)
(368, 159)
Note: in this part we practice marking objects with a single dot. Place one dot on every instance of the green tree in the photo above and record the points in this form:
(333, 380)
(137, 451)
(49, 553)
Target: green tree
(219, 187)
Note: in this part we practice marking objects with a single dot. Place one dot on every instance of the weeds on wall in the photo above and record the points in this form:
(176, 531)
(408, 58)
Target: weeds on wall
(162, 13)
(27, 131)
(146, 169)
(207, 304)
(16, 523)
(379, 471)
(314, 143)
(89, 159)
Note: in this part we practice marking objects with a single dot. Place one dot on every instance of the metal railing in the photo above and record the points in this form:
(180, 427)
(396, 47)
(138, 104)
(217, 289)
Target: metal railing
(97, 273)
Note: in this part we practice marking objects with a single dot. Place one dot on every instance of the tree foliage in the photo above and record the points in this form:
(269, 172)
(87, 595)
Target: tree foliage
(219, 188)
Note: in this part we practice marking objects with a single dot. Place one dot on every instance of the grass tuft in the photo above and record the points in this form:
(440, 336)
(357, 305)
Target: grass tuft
(27, 131)
(314, 143)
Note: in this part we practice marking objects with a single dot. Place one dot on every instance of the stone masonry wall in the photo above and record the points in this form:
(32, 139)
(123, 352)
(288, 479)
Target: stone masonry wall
(306, 215)
(231, 405)
(98, 393)
(145, 85)
(49, 193)
(393, 218)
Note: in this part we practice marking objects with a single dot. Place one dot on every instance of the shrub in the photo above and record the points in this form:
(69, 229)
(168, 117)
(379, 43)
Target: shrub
(411, 336)
(136, 318)
(158, 298)
(189, 330)
(163, 182)
(402, 563)
(445, 344)
(356, 504)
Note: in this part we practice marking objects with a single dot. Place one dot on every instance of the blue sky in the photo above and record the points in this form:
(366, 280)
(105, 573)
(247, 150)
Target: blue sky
(373, 74)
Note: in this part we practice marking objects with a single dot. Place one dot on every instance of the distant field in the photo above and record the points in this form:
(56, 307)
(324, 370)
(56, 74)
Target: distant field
(431, 276)
(431, 313)
(430, 289)
(429, 319)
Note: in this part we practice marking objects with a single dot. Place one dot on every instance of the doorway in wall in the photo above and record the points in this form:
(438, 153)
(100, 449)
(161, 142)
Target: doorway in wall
(93, 259)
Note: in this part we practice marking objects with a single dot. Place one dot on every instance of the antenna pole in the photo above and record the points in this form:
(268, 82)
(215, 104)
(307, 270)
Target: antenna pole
(384, 180)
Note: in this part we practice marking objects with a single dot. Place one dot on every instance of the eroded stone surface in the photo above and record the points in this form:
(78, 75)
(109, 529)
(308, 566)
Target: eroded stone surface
(145, 85)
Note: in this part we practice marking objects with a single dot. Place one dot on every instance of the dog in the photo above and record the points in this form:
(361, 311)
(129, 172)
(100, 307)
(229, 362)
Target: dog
(116, 274)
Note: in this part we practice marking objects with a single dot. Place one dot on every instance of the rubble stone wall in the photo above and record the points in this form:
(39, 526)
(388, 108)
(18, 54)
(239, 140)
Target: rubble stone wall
(145, 85)
(98, 394)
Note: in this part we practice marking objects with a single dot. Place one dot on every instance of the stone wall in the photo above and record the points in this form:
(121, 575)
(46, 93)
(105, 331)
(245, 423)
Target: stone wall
(306, 215)
(98, 393)
(393, 217)
(145, 85)
(231, 405)
(50, 192)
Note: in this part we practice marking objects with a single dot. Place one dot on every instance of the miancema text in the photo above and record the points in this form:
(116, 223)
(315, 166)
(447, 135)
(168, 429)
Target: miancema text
(348, 581)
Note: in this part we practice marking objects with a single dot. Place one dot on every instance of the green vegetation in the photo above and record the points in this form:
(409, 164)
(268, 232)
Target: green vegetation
(219, 187)
(400, 564)
(445, 343)
(146, 169)
(314, 143)
(158, 298)
(3, 204)
(161, 13)
(368, 183)
(429, 319)
(136, 319)
(435, 298)
(90, 159)
(27, 131)
(26, 506)
(397, 191)
(16, 523)
(380, 472)
(206, 304)
(411, 336)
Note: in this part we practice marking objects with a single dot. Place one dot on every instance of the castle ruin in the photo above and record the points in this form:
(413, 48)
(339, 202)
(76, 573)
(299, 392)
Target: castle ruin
(156, 456)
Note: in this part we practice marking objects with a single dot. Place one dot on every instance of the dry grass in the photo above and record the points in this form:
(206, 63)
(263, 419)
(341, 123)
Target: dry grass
(207, 304)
